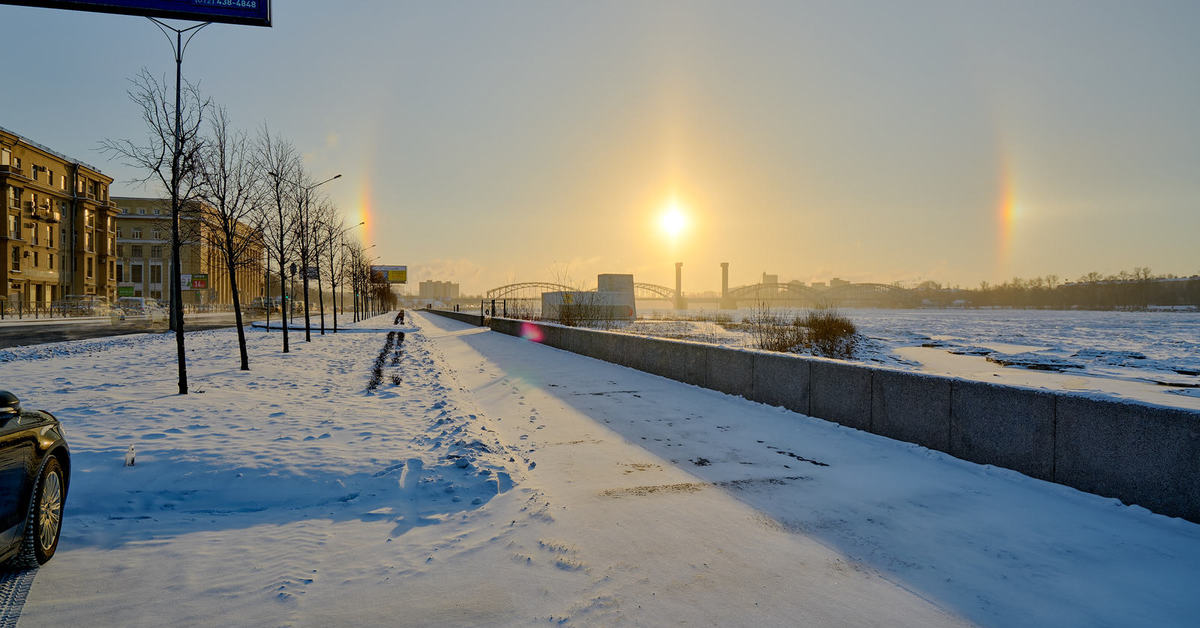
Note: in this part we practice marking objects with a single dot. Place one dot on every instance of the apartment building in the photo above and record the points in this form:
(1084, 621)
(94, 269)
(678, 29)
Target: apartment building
(443, 290)
(57, 236)
(143, 252)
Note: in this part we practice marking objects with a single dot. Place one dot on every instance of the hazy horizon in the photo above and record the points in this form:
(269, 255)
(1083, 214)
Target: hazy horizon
(487, 144)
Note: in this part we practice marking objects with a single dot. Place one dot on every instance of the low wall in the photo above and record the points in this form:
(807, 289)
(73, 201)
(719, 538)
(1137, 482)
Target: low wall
(1136, 452)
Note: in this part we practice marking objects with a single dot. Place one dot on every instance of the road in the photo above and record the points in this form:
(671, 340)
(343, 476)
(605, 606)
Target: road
(33, 332)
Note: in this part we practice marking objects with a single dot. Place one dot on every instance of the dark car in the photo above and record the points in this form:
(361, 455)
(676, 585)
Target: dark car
(35, 469)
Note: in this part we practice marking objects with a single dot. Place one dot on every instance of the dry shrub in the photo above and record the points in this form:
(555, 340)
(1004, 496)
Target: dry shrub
(830, 334)
(822, 331)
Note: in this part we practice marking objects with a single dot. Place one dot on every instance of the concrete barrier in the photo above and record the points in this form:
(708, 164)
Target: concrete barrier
(1003, 426)
(911, 407)
(1135, 452)
(731, 372)
(1139, 453)
(783, 380)
(841, 392)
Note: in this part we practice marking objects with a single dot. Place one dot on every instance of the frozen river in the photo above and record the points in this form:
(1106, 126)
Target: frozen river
(1149, 356)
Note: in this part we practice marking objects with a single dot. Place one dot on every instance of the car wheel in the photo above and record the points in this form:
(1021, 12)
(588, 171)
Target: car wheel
(43, 523)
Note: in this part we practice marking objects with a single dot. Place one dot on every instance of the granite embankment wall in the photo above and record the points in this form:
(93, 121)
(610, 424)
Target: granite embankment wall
(1139, 453)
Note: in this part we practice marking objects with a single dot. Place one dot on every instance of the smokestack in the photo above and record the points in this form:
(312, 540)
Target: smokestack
(724, 280)
(678, 285)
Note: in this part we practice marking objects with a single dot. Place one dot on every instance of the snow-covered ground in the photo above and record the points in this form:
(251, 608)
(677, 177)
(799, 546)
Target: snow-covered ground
(1148, 356)
(489, 480)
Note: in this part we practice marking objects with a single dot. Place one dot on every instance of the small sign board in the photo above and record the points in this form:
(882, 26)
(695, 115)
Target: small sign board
(199, 281)
(185, 281)
(248, 12)
(314, 272)
(124, 291)
(392, 274)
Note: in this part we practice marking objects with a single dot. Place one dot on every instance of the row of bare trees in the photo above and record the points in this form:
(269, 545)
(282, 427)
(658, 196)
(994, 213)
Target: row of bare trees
(248, 197)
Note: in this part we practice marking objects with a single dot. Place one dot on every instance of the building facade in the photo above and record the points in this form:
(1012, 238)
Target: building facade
(58, 232)
(440, 290)
(143, 253)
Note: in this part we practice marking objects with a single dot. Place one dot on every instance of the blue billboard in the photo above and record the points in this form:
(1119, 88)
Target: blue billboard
(251, 12)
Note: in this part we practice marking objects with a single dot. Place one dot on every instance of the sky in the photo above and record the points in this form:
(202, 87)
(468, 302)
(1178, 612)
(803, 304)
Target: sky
(489, 143)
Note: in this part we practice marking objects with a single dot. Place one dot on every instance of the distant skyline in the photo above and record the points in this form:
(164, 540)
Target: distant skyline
(487, 143)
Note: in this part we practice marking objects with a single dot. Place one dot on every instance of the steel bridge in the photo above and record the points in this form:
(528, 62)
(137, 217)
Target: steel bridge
(527, 290)
(846, 295)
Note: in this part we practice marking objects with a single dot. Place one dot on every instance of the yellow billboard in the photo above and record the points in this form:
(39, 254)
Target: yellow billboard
(392, 274)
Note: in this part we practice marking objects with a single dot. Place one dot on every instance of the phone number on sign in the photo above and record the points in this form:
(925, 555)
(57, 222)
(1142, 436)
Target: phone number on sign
(233, 4)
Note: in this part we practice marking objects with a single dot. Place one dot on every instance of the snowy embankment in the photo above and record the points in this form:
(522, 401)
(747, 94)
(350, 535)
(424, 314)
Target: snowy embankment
(490, 480)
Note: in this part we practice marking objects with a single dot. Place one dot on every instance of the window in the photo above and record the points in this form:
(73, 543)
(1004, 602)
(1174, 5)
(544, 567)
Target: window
(33, 234)
(14, 226)
(156, 273)
(120, 272)
(120, 250)
(156, 234)
(90, 267)
(49, 177)
(49, 235)
(119, 232)
(87, 242)
(141, 211)
(110, 268)
(156, 251)
(135, 250)
(5, 156)
(135, 273)
(14, 197)
(136, 233)
(16, 258)
(109, 249)
(35, 259)
(51, 260)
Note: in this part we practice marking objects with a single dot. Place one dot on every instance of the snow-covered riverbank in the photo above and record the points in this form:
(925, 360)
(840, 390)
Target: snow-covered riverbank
(490, 480)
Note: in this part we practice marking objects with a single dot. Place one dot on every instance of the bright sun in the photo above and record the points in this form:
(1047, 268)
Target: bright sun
(673, 220)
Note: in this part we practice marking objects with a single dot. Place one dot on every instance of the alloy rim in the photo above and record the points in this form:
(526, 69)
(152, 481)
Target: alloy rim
(50, 512)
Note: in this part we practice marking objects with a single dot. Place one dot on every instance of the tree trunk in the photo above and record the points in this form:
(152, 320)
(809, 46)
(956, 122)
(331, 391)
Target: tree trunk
(307, 318)
(237, 310)
(283, 311)
(321, 298)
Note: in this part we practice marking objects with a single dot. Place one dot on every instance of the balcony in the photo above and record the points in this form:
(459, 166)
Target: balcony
(10, 169)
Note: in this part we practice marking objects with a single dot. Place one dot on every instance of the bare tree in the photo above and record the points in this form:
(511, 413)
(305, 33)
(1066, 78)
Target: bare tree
(277, 158)
(230, 220)
(168, 154)
(322, 221)
(305, 239)
(334, 256)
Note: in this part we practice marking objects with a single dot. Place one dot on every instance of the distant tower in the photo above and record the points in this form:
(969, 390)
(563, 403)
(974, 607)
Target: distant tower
(726, 302)
(679, 303)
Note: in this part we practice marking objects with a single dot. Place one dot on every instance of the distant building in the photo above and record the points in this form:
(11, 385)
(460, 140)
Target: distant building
(835, 282)
(612, 300)
(144, 257)
(438, 290)
(820, 285)
(770, 280)
(56, 237)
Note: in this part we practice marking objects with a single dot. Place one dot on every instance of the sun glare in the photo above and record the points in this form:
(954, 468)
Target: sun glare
(673, 220)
